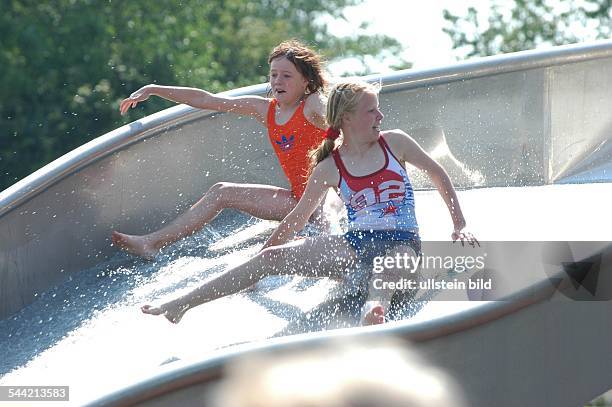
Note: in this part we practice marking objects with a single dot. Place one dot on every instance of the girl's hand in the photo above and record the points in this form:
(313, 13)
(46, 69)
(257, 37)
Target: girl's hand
(466, 237)
(140, 95)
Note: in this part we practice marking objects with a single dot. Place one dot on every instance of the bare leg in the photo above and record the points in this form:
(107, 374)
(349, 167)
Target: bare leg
(261, 201)
(376, 306)
(321, 256)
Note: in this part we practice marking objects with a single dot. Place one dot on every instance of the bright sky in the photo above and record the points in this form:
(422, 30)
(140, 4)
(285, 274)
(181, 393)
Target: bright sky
(416, 24)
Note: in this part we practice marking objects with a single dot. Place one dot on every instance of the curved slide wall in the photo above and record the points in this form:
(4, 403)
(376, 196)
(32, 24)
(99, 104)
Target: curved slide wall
(563, 359)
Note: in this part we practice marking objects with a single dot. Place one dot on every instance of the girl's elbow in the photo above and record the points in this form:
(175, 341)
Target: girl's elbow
(435, 175)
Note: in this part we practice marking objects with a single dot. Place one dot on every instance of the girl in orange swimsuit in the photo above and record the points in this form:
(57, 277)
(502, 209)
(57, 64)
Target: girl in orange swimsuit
(295, 118)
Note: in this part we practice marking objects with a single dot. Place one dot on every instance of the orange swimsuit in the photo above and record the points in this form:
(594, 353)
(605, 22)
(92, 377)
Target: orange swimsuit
(292, 141)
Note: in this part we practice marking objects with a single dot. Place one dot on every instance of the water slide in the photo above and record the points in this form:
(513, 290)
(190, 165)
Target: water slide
(524, 136)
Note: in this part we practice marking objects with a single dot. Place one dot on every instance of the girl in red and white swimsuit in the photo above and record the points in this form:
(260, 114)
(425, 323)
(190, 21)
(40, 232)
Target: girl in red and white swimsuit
(366, 165)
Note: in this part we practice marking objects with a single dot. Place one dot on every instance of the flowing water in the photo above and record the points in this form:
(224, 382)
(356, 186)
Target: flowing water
(89, 333)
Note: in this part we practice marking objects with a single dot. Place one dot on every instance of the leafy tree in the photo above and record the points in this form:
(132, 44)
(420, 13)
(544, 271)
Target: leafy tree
(529, 24)
(66, 64)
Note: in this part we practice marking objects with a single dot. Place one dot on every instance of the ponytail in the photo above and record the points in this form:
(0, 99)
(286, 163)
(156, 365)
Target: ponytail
(320, 153)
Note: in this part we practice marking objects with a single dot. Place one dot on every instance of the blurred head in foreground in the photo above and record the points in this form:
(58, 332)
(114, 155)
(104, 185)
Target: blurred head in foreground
(376, 372)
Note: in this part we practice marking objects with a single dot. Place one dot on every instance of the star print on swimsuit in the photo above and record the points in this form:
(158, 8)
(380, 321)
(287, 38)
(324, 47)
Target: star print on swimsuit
(285, 143)
(391, 209)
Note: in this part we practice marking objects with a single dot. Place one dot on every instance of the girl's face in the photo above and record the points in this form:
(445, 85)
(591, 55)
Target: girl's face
(366, 117)
(287, 84)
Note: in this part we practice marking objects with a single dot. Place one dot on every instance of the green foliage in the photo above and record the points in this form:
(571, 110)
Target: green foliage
(599, 402)
(528, 24)
(66, 64)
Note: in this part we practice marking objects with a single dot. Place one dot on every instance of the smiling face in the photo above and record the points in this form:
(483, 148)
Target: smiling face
(365, 119)
(287, 83)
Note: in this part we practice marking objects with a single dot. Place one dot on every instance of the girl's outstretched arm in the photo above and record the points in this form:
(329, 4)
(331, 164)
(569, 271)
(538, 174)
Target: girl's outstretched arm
(409, 150)
(246, 105)
(323, 176)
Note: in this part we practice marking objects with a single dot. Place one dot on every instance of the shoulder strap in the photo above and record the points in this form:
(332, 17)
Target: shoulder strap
(339, 164)
(387, 150)
(271, 111)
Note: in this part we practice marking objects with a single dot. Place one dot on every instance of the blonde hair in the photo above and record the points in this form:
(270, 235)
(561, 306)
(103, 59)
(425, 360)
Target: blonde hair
(343, 98)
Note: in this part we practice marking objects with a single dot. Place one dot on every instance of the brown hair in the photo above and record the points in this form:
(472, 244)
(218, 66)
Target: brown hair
(306, 61)
(343, 98)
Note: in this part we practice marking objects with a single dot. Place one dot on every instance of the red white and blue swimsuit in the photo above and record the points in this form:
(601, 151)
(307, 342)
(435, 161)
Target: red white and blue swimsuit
(380, 206)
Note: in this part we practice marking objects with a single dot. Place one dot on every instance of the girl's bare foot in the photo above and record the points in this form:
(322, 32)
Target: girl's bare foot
(138, 245)
(373, 313)
(173, 313)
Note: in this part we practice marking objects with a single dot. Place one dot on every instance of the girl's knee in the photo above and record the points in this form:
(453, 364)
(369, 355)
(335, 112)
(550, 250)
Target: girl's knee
(221, 191)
